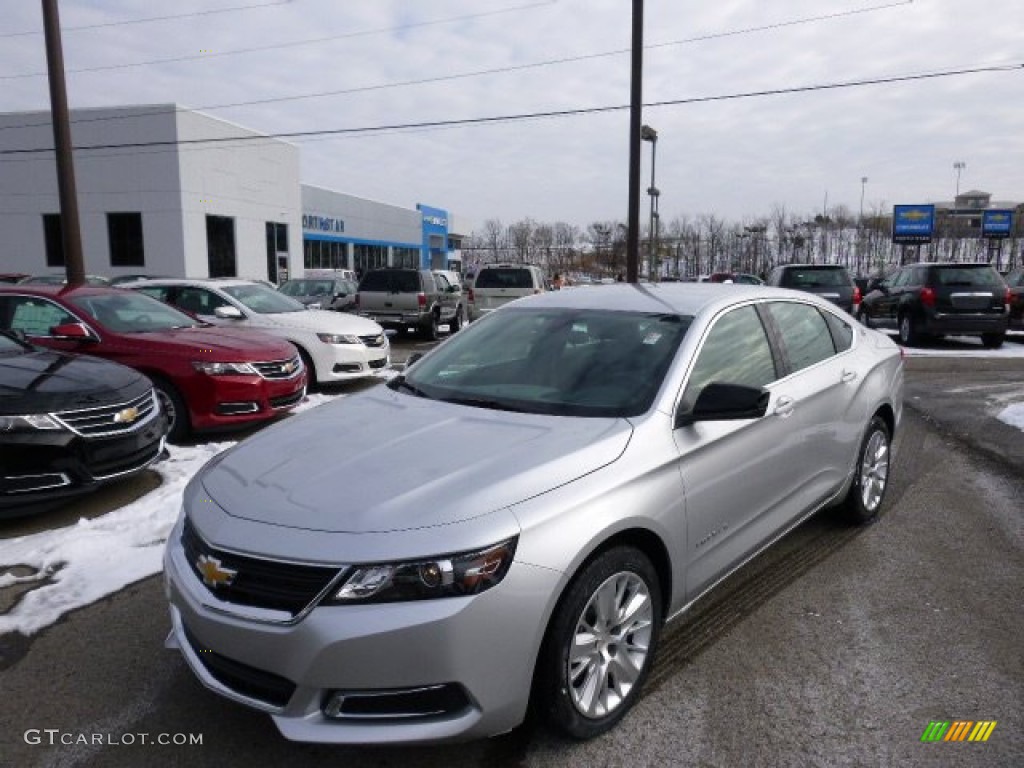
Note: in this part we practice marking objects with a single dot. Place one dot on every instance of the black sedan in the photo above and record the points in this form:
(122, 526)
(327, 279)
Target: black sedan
(68, 424)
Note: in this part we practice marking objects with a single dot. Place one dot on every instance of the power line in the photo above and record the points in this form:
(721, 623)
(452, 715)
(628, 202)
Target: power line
(539, 115)
(506, 69)
(148, 19)
(292, 44)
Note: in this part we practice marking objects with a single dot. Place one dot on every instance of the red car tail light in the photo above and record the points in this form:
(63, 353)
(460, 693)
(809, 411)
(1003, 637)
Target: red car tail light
(421, 299)
(470, 297)
(928, 296)
(856, 296)
(1008, 299)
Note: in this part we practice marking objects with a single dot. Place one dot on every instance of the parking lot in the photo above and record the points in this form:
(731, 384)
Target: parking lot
(836, 647)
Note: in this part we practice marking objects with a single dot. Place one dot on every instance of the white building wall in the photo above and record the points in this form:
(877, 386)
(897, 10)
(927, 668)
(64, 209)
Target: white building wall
(252, 181)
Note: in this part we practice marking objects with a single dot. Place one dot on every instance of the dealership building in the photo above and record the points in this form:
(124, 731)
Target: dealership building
(164, 190)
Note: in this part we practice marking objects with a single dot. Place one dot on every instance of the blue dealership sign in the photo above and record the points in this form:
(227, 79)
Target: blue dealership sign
(913, 223)
(996, 223)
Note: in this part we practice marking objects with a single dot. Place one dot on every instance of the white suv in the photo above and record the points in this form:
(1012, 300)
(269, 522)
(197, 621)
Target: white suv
(335, 346)
(498, 284)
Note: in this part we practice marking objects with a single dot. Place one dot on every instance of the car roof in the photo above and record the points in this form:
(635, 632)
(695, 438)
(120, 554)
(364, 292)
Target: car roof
(812, 266)
(208, 282)
(60, 291)
(677, 298)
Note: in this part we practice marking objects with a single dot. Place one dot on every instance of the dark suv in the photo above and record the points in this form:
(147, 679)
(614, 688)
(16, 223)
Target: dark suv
(830, 281)
(922, 300)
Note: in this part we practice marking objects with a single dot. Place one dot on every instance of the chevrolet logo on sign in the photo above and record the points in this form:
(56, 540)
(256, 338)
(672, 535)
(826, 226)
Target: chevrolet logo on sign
(126, 416)
(914, 215)
(213, 573)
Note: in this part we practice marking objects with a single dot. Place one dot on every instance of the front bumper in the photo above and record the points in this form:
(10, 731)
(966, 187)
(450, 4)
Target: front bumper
(343, 362)
(481, 650)
(227, 402)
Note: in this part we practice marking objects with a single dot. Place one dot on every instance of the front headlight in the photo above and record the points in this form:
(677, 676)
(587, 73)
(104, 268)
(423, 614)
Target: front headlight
(338, 338)
(28, 422)
(466, 573)
(224, 369)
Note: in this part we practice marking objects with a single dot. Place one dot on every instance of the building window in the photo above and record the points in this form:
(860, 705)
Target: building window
(54, 237)
(124, 231)
(220, 246)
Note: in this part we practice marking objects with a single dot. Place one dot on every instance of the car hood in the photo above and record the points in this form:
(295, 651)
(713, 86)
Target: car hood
(319, 321)
(382, 461)
(213, 343)
(44, 382)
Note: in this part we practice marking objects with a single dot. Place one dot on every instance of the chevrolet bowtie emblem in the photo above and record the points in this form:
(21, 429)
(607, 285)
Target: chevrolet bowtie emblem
(288, 367)
(214, 575)
(127, 416)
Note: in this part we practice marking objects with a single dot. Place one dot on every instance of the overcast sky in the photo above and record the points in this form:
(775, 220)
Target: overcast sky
(735, 158)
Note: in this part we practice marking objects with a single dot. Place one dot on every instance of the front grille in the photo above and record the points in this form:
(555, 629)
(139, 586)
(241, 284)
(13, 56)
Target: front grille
(259, 583)
(119, 465)
(31, 483)
(374, 340)
(241, 678)
(347, 368)
(279, 369)
(111, 419)
(238, 408)
(378, 363)
(286, 401)
(429, 701)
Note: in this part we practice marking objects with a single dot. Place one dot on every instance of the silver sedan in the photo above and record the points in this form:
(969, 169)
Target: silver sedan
(518, 515)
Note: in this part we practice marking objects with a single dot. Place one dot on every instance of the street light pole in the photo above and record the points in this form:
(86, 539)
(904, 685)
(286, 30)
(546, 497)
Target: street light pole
(958, 166)
(649, 134)
(860, 227)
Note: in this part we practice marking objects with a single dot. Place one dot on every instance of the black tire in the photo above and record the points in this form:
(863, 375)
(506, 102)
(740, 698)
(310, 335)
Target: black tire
(307, 361)
(179, 425)
(625, 644)
(871, 478)
(908, 333)
(862, 316)
(456, 322)
(430, 328)
(993, 340)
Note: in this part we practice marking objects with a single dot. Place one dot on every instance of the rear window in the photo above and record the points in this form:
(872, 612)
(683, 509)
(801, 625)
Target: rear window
(391, 281)
(504, 277)
(967, 276)
(811, 277)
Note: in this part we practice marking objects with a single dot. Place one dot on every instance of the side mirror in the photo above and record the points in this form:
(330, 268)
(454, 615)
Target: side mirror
(72, 332)
(228, 312)
(719, 401)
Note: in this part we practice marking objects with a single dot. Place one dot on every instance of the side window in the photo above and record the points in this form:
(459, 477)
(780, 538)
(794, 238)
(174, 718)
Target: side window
(442, 283)
(35, 316)
(805, 335)
(736, 351)
(158, 293)
(842, 332)
(198, 301)
(897, 280)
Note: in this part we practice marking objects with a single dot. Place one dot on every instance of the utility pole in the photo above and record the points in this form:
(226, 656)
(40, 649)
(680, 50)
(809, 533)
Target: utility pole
(635, 106)
(73, 261)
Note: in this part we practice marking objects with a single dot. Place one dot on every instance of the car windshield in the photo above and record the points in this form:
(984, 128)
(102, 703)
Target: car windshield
(307, 288)
(504, 277)
(130, 312)
(567, 362)
(979, 275)
(262, 300)
(811, 277)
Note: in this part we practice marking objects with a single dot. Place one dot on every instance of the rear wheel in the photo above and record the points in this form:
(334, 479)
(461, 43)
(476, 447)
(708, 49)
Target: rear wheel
(456, 322)
(175, 411)
(600, 644)
(909, 335)
(993, 340)
(865, 496)
(862, 316)
(430, 328)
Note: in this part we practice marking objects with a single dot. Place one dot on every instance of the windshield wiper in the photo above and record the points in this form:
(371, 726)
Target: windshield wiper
(483, 402)
(399, 382)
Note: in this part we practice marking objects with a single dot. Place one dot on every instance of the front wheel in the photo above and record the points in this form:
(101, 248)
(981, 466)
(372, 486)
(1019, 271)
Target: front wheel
(175, 411)
(868, 489)
(862, 316)
(600, 644)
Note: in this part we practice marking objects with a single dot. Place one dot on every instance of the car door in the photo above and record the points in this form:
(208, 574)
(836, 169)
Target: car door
(738, 476)
(884, 306)
(823, 386)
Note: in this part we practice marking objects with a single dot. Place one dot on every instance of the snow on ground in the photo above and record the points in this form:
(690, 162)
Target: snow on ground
(80, 564)
(967, 346)
(1013, 415)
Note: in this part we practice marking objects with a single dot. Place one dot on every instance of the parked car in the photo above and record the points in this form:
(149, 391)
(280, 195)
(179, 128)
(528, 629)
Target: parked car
(933, 299)
(734, 277)
(400, 299)
(831, 281)
(12, 277)
(61, 279)
(449, 277)
(122, 279)
(206, 378)
(573, 471)
(334, 347)
(69, 424)
(336, 293)
(1015, 282)
(498, 284)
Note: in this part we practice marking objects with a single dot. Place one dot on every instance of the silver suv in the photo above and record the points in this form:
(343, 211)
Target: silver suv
(498, 284)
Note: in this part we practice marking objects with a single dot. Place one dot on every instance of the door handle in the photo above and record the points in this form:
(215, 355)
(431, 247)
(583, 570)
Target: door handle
(848, 376)
(784, 406)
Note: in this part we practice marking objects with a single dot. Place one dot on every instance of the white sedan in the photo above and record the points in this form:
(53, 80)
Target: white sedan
(334, 346)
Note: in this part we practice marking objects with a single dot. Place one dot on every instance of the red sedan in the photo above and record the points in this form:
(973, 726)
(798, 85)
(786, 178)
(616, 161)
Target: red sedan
(207, 378)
